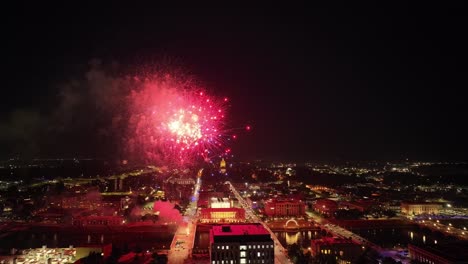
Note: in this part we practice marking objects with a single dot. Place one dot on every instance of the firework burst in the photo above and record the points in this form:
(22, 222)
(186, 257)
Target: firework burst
(175, 121)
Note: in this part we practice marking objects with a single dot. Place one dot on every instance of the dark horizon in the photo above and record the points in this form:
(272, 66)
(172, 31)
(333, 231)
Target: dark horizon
(315, 83)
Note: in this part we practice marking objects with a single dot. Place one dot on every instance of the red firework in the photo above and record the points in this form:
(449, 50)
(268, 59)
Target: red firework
(172, 120)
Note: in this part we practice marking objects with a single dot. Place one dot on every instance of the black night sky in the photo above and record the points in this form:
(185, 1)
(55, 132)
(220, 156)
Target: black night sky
(315, 82)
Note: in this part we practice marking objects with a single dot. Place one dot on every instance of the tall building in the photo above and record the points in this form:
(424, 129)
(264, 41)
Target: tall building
(241, 244)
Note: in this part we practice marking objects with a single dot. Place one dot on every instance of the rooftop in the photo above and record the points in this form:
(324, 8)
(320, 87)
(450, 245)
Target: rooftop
(239, 230)
(240, 233)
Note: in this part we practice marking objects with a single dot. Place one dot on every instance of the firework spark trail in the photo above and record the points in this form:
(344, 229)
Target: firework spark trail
(140, 114)
(173, 120)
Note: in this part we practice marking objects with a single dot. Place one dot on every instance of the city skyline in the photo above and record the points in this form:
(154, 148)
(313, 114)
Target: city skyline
(314, 83)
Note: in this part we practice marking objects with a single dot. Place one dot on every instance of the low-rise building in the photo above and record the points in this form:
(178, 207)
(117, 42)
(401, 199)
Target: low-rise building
(94, 220)
(343, 250)
(440, 254)
(417, 208)
(222, 215)
(284, 207)
(325, 206)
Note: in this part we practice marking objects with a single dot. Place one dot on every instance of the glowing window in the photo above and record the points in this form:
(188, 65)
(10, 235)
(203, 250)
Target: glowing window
(243, 261)
(243, 247)
(258, 254)
(243, 254)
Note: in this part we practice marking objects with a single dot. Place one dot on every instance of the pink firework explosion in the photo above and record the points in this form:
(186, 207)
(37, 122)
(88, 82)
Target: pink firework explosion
(174, 121)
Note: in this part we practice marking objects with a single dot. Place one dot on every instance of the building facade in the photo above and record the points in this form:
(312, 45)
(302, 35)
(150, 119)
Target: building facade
(325, 206)
(279, 208)
(222, 215)
(444, 254)
(93, 220)
(241, 244)
(342, 250)
(216, 202)
(420, 208)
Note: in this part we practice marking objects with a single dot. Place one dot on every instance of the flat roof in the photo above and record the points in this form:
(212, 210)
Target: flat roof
(231, 209)
(239, 230)
(240, 233)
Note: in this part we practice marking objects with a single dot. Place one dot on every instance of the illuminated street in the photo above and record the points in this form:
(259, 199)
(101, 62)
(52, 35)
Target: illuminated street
(182, 244)
(280, 252)
(324, 133)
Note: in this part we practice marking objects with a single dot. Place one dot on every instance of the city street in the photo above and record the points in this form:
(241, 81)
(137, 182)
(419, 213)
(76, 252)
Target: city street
(184, 237)
(281, 255)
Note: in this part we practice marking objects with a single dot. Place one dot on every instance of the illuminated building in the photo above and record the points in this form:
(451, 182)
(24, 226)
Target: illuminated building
(289, 207)
(420, 208)
(85, 202)
(319, 188)
(439, 254)
(205, 198)
(343, 250)
(220, 202)
(361, 205)
(55, 255)
(241, 244)
(325, 206)
(178, 188)
(94, 220)
(181, 181)
(222, 215)
(222, 166)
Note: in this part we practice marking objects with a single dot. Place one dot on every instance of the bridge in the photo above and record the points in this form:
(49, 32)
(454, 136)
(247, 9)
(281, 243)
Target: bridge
(436, 226)
(292, 224)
